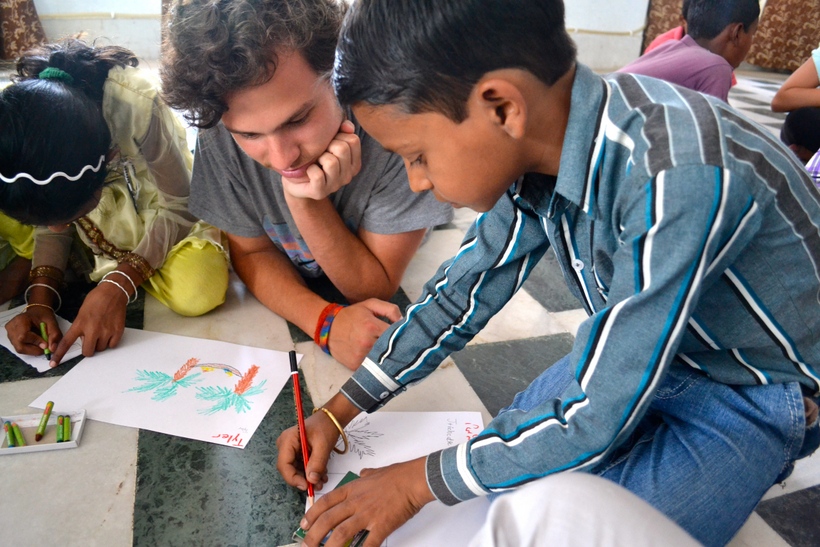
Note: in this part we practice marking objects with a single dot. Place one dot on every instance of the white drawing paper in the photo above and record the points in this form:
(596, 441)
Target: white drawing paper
(190, 387)
(39, 362)
(385, 438)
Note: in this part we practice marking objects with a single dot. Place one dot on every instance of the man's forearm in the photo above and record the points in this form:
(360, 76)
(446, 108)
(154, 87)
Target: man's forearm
(794, 98)
(272, 279)
(344, 258)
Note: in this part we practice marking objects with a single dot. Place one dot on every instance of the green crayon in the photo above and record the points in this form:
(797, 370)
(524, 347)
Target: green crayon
(60, 428)
(44, 335)
(9, 434)
(41, 429)
(19, 440)
(66, 428)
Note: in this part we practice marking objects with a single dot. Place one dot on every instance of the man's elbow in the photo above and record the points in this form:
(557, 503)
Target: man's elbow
(382, 291)
(778, 104)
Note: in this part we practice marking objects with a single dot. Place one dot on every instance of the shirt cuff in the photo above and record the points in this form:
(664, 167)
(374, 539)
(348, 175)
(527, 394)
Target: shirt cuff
(370, 388)
(445, 479)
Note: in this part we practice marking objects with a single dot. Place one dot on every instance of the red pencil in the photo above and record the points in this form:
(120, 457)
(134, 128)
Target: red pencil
(297, 394)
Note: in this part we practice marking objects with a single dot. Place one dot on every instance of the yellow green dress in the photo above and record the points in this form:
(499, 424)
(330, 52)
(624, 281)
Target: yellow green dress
(15, 240)
(142, 217)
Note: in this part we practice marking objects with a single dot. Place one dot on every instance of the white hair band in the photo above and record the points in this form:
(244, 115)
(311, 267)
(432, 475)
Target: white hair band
(89, 167)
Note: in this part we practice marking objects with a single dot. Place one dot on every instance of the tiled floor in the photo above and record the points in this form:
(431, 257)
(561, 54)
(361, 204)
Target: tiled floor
(753, 96)
(171, 491)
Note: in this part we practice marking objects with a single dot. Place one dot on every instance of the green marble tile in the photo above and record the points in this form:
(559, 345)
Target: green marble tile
(197, 493)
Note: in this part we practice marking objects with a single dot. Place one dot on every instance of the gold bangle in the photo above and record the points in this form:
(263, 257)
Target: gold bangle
(49, 272)
(339, 427)
(138, 263)
(41, 305)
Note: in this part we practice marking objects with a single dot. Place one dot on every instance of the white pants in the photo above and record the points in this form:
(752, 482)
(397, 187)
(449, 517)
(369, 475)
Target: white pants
(576, 509)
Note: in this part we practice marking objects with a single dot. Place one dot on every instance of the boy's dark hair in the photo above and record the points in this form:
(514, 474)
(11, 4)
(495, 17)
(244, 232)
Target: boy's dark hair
(684, 10)
(215, 47)
(55, 125)
(427, 55)
(707, 18)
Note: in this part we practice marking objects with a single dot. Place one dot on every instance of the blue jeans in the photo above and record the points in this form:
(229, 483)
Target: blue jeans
(705, 453)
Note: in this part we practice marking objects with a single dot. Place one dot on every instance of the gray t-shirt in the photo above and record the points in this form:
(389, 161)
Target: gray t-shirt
(242, 197)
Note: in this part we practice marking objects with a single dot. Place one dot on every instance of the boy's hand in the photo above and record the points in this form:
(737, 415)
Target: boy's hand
(335, 168)
(322, 436)
(357, 327)
(379, 501)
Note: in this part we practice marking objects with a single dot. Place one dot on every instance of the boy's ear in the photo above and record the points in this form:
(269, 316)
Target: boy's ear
(735, 32)
(502, 102)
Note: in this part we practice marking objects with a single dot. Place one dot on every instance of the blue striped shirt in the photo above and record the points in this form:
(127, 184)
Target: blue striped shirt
(689, 234)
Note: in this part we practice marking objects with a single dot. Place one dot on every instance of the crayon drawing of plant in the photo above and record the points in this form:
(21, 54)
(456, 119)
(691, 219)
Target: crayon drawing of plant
(166, 385)
(358, 437)
(237, 397)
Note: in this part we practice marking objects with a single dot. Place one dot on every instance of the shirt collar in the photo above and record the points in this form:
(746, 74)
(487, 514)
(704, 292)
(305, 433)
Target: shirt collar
(583, 141)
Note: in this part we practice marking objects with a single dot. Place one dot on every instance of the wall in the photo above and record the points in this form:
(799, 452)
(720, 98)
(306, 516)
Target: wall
(608, 33)
(134, 24)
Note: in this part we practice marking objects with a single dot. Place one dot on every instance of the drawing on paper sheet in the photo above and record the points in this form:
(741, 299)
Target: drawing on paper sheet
(166, 386)
(359, 435)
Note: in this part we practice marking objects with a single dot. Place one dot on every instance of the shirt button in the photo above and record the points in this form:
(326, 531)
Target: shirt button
(578, 264)
(384, 395)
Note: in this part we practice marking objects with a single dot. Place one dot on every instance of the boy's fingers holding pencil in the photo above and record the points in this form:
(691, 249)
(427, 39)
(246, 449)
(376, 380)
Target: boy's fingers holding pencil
(289, 456)
(322, 436)
(321, 441)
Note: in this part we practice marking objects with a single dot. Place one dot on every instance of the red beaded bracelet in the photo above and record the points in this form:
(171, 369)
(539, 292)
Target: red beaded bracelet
(322, 334)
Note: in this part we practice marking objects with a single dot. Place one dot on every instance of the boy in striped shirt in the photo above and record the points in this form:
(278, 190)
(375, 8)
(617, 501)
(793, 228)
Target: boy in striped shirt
(693, 382)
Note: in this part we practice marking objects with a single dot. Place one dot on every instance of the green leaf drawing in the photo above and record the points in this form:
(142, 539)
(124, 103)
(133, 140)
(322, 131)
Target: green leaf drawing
(151, 380)
(226, 398)
(163, 383)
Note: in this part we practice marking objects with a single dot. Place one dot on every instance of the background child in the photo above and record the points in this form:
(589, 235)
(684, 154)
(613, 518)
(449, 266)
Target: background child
(718, 38)
(800, 97)
(88, 149)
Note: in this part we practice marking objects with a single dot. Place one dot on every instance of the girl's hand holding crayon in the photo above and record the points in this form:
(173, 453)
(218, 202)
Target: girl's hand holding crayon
(25, 334)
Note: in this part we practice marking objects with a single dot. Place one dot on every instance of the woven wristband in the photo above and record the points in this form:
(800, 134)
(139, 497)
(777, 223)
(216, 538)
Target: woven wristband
(322, 334)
